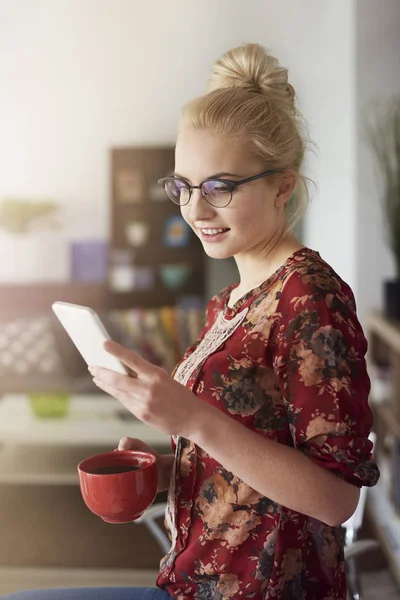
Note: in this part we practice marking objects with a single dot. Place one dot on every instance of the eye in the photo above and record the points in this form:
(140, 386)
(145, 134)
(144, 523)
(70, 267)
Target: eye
(221, 188)
(215, 187)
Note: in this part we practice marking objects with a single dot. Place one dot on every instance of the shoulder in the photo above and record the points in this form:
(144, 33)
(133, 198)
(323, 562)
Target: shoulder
(305, 295)
(305, 282)
(314, 300)
(310, 282)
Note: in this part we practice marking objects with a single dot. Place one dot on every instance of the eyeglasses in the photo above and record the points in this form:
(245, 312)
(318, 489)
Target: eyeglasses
(217, 192)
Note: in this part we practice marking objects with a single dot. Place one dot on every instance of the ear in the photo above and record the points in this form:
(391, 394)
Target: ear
(286, 184)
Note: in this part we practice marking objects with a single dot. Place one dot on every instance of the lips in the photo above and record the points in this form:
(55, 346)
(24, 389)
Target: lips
(213, 234)
(214, 230)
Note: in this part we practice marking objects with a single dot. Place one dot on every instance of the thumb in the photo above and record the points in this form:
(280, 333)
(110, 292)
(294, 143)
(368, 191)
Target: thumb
(127, 443)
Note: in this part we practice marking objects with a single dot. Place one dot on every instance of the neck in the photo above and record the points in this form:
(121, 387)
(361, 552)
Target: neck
(256, 268)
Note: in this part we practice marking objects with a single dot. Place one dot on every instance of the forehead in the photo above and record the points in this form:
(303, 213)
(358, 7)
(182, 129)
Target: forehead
(199, 154)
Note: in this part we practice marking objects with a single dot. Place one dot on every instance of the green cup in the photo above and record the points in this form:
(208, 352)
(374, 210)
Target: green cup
(49, 405)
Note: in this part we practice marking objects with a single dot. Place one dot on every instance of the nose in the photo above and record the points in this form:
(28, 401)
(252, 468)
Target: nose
(198, 208)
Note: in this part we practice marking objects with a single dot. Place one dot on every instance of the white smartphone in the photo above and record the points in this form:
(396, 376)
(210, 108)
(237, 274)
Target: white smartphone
(88, 333)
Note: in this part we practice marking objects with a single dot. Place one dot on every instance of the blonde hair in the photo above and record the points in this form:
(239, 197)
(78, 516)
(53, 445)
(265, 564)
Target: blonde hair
(248, 97)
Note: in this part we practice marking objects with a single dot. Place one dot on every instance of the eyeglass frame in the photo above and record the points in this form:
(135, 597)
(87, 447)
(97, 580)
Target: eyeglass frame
(229, 182)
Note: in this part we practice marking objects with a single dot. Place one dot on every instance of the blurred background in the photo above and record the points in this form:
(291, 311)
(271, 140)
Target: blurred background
(89, 104)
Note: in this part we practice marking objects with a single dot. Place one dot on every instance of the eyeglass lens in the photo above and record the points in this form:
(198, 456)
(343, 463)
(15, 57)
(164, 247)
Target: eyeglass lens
(217, 193)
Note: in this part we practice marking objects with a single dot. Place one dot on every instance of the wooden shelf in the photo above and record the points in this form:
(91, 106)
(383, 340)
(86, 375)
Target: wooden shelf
(147, 164)
(56, 446)
(92, 421)
(384, 348)
(46, 465)
(388, 331)
(384, 351)
(386, 526)
(383, 410)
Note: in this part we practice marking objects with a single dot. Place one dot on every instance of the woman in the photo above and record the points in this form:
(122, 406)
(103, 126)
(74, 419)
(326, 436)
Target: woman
(269, 408)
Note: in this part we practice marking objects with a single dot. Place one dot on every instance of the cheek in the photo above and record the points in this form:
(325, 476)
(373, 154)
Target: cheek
(255, 221)
(185, 214)
(254, 227)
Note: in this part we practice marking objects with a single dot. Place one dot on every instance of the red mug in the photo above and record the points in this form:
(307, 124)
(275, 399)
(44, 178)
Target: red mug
(118, 486)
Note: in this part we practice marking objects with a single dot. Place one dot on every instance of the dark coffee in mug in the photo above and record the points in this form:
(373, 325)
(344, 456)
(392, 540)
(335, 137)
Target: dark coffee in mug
(113, 469)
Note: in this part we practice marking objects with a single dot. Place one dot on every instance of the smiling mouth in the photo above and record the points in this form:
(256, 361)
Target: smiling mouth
(214, 231)
(212, 235)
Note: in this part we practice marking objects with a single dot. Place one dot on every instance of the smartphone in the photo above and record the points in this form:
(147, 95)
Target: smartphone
(88, 333)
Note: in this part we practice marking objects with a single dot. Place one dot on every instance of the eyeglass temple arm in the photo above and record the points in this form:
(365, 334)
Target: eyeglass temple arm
(265, 174)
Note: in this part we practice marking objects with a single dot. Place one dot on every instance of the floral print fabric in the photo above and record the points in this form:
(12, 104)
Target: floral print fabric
(293, 371)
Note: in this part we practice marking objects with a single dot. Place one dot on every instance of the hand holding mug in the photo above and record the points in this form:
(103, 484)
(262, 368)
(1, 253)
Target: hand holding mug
(164, 461)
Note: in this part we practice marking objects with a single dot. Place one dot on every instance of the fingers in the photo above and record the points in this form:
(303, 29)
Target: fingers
(121, 383)
(136, 363)
(127, 443)
(120, 395)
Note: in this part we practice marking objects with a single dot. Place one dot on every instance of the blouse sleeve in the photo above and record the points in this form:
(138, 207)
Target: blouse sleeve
(318, 353)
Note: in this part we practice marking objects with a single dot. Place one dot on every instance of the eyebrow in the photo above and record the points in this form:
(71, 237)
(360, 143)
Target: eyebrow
(214, 176)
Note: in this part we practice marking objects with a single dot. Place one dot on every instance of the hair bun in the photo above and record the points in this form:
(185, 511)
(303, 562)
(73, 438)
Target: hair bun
(251, 68)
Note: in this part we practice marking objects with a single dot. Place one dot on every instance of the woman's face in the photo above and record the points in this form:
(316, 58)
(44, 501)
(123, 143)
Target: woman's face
(256, 212)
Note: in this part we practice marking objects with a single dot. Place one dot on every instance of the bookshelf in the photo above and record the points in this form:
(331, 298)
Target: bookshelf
(383, 504)
(155, 259)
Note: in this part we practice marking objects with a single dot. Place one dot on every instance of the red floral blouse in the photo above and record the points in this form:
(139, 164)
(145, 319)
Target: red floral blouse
(287, 361)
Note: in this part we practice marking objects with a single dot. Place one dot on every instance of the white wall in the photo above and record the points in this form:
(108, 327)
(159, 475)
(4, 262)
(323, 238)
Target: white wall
(80, 76)
(378, 78)
(331, 220)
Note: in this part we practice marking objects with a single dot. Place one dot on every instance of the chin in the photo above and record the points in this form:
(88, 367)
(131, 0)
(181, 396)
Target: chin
(217, 253)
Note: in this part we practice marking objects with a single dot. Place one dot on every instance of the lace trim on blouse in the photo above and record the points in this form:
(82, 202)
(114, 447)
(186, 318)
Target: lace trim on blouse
(221, 330)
